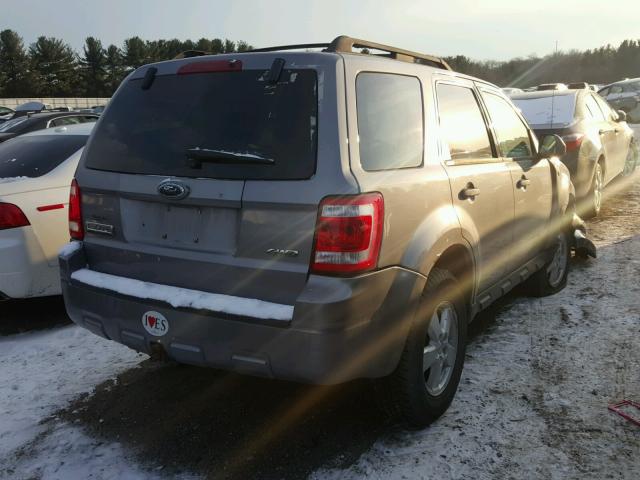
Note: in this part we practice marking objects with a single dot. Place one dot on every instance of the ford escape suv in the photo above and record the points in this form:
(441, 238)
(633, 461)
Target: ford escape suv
(318, 216)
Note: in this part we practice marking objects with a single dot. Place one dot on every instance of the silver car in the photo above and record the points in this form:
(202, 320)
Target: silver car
(318, 216)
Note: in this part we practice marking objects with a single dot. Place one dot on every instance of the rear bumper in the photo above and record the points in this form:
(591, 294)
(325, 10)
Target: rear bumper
(581, 166)
(24, 271)
(341, 328)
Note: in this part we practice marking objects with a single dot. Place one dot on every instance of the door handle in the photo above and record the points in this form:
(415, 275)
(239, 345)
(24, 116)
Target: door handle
(523, 183)
(470, 191)
(602, 132)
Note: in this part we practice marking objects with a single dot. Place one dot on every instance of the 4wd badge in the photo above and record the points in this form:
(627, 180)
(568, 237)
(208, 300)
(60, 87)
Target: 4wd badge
(155, 323)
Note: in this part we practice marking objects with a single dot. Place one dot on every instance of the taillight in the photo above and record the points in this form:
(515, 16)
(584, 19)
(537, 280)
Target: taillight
(12, 217)
(75, 213)
(573, 141)
(348, 234)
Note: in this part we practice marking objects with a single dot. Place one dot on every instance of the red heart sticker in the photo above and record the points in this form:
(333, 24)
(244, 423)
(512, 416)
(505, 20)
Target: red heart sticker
(151, 321)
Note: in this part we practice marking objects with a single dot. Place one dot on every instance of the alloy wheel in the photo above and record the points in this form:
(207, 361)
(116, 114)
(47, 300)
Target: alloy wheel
(598, 185)
(558, 265)
(439, 354)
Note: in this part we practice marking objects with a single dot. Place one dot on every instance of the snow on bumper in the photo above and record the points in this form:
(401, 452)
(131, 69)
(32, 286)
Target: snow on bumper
(183, 297)
(339, 328)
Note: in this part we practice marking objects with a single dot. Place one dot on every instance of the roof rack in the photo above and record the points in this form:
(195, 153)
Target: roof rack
(191, 53)
(345, 44)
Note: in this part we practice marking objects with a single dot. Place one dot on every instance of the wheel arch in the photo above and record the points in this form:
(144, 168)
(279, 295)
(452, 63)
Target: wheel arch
(458, 260)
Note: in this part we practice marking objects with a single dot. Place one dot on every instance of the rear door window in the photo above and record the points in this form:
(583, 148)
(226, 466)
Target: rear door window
(462, 126)
(390, 121)
(513, 135)
(256, 130)
(37, 155)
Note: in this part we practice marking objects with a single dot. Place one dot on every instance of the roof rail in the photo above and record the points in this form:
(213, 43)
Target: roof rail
(291, 47)
(191, 53)
(345, 44)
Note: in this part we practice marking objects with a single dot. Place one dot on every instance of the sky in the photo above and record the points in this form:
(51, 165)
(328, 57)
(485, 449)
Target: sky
(482, 30)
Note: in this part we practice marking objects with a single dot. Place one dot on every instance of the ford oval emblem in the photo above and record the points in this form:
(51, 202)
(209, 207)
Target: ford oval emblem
(173, 189)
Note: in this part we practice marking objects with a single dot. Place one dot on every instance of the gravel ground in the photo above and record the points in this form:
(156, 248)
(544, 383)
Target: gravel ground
(532, 402)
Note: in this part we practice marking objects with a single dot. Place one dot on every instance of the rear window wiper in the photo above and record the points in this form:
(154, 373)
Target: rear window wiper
(197, 156)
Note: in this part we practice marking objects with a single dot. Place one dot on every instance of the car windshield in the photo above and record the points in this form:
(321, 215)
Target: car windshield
(240, 113)
(36, 155)
(548, 110)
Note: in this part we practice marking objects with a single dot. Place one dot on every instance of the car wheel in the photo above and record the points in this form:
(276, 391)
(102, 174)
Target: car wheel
(426, 379)
(631, 162)
(553, 276)
(596, 191)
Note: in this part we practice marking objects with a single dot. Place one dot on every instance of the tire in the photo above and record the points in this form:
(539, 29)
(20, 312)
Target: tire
(553, 276)
(420, 396)
(594, 198)
(631, 162)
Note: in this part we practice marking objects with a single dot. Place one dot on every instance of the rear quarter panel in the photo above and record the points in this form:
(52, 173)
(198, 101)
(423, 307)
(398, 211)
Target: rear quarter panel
(420, 221)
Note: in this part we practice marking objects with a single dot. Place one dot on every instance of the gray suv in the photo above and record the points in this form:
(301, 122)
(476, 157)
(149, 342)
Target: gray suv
(317, 216)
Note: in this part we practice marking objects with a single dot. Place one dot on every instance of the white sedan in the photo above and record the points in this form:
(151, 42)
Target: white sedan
(36, 170)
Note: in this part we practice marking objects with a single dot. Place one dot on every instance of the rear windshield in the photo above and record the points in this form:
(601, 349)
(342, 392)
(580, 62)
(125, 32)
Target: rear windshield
(257, 130)
(37, 155)
(551, 110)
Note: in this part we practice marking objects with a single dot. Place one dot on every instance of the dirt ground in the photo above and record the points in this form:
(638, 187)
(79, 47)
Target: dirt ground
(532, 402)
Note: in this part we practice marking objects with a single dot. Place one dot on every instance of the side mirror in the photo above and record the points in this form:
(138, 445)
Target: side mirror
(622, 116)
(551, 146)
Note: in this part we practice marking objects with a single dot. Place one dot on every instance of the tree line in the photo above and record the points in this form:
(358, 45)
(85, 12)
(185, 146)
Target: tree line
(600, 66)
(49, 67)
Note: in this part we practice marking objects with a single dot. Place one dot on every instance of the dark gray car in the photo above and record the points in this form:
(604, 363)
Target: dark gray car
(625, 96)
(600, 144)
(313, 216)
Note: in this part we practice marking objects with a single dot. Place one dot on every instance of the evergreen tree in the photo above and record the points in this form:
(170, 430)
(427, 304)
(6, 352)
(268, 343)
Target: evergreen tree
(229, 46)
(114, 69)
(15, 75)
(204, 45)
(134, 53)
(54, 65)
(243, 46)
(93, 65)
(217, 46)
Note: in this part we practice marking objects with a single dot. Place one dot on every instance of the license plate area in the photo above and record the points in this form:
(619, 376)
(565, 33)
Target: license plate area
(201, 228)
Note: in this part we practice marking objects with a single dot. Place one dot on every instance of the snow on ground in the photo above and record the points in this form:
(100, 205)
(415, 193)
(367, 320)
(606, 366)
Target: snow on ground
(532, 402)
(534, 392)
(40, 373)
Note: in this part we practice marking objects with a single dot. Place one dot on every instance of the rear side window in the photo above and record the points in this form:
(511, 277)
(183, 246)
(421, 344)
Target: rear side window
(390, 121)
(462, 126)
(34, 156)
(513, 135)
(257, 130)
